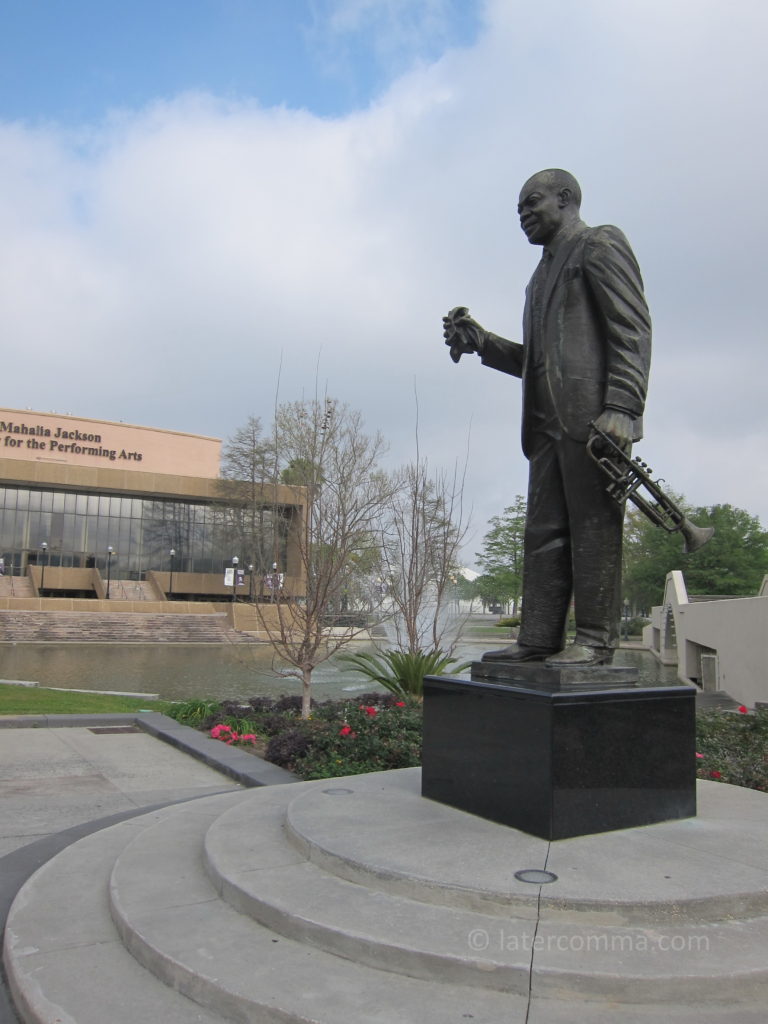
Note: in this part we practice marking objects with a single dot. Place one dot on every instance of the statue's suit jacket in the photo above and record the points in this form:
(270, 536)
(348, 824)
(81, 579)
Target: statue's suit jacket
(595, 334)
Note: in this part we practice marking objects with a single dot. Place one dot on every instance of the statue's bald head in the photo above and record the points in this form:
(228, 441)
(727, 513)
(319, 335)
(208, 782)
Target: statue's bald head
(549, 202)
(555, 179)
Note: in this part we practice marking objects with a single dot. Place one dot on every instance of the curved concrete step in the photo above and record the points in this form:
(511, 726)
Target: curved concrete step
(377, 830)
(282, 891)
(170, 917)
(210, 963)
(260, 874)
(595, 954)
(63, 957)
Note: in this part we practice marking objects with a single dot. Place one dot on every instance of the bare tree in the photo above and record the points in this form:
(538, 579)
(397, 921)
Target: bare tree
(422, 537)
(254, 523)
(323, 451)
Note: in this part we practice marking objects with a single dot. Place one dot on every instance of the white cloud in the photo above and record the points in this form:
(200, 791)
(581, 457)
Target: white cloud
(165, 268)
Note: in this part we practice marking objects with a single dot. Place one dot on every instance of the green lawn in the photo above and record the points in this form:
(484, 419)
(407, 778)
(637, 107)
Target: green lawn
(34, 700)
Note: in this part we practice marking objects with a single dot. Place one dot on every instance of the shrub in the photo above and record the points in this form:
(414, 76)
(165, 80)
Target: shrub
(231, 736)
(290, 703)
(238, 723)
(288, 748)
(402, 672)
(192, 712)
(509, 621)
(734, 747)
(367, 738)
(273, 722)
(261, 704)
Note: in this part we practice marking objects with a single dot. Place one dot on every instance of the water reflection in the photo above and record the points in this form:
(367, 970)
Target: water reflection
(179, 671)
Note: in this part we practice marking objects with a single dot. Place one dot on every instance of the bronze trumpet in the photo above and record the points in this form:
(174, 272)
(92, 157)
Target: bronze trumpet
(628, 475)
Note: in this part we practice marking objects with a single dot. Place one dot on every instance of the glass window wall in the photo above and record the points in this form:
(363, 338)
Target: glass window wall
(79, 528)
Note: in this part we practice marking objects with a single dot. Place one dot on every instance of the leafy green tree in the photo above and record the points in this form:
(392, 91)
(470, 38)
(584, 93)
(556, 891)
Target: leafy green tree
(465, 589)
(502, 556)
(499, 587)
(649, 554)
(733, 562)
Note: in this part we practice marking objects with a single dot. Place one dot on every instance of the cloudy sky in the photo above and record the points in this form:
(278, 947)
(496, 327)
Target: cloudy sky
(205, 204)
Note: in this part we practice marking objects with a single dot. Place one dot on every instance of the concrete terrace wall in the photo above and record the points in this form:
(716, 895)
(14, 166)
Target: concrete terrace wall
(719, 643)
(79, 604)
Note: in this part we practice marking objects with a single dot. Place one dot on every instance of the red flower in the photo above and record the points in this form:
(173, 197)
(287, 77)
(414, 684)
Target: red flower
(715, 775)
(699, 755)
(399, 703)
(743, 710)
(217, 730)
(369, 711)
(347, 731)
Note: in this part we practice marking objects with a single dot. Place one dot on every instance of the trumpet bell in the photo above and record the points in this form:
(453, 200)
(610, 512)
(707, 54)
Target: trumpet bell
(694, 537)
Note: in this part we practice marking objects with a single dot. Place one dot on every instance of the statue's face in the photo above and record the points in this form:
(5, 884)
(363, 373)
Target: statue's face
(541, 211)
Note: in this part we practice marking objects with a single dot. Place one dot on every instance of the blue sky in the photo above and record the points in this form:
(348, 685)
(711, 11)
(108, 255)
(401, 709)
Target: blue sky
(72, 61)
(209, 205)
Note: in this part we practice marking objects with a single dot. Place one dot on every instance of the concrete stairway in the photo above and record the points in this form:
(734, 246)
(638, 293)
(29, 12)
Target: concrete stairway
(116, 628)
(16, 586)
(132, 590)
(355, 901)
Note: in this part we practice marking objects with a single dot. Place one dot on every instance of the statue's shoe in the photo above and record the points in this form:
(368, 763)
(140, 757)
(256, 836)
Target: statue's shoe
(518, 653)
(580, 654)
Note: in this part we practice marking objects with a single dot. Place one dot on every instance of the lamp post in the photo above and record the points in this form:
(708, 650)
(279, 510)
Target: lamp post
(110, 552)
(250, 584)
(626, 618)
(235, 562)
(44, 548)
(172, 553)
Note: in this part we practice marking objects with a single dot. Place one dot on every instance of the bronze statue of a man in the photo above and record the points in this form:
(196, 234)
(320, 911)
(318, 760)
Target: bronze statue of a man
(584, 359)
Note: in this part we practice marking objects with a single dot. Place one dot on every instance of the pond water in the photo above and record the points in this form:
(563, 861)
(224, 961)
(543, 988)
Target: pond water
(181, 671)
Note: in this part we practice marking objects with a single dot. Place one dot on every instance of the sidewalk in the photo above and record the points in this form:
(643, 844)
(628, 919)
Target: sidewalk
(64, 776)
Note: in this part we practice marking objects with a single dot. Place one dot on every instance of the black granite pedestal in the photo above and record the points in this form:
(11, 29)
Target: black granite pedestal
(546, 752)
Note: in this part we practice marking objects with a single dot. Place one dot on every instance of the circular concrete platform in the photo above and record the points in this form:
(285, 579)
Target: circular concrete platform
(706, 868)
(356, 899)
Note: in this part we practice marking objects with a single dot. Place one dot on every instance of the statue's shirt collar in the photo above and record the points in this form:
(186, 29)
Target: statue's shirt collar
(563, 237)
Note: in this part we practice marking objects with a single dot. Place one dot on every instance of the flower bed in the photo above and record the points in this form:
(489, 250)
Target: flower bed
(376, 732)
(373, 733)
(733, 747)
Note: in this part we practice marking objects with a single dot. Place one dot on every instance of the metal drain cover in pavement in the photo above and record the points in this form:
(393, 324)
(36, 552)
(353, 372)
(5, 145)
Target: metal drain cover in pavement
(535, 876)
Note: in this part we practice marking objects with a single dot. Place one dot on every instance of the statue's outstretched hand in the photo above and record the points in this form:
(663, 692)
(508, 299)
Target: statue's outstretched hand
(462, 333)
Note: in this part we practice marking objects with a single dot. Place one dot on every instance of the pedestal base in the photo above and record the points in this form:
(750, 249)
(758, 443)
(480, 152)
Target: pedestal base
(558, 762)
(535, 675)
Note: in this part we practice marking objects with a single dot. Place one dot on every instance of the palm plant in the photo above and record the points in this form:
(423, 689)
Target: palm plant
(402, 672)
